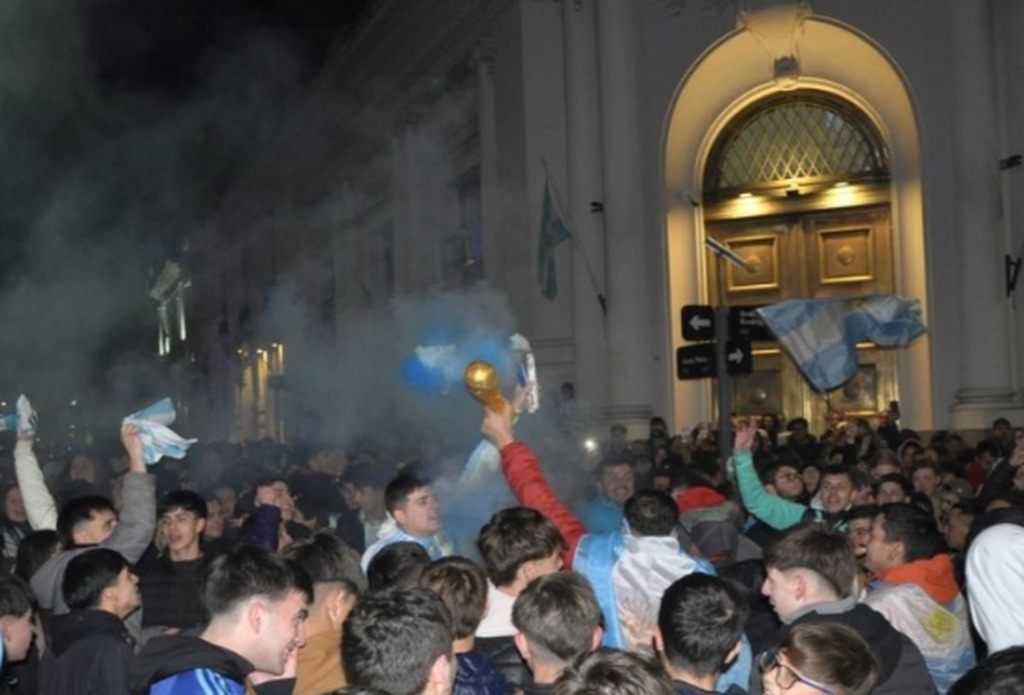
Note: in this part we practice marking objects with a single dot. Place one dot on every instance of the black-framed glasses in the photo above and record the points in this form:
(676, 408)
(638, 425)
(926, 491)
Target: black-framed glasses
(785, 676)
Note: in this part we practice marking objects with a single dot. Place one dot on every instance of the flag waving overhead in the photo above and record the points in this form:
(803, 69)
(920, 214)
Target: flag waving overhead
(158, 439)
(821, 335)
(553, 231)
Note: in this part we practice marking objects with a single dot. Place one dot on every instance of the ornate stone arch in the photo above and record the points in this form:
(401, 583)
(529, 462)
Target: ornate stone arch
(736, 72)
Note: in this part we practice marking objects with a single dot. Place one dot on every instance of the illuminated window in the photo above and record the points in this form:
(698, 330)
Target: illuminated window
(795, 139)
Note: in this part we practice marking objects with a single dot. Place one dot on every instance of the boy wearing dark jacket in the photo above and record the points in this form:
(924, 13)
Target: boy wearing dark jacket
(90, 647)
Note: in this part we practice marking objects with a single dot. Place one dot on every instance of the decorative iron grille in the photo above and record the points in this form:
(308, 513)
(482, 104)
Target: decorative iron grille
(793, 138)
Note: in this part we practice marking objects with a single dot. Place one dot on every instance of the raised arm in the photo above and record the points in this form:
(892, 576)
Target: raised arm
(527, 481)
(771, 509)
(40, 507)
(135, 528)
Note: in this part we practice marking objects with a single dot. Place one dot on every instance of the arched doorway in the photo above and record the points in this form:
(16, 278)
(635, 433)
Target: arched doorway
(798, 184)
(731, 76)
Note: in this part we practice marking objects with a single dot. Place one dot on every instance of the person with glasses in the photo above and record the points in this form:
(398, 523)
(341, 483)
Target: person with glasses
(817, 658)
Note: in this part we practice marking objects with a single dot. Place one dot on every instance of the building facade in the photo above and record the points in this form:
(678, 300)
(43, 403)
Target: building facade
(840, 148)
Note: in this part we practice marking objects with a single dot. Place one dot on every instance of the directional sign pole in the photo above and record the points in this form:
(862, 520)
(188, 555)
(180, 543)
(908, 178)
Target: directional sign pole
(725, 255)
(724, 383)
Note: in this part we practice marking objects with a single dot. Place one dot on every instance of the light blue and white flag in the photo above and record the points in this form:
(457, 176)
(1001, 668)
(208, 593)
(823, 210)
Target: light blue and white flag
(821, 335)
(158, 439)
(23, 419)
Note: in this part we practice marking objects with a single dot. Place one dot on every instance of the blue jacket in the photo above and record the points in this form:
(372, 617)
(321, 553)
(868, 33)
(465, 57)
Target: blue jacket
(477, 675)
(180, 665)
(601, 515)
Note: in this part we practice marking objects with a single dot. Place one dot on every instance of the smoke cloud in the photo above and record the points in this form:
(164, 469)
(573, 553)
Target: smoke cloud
(113, 161)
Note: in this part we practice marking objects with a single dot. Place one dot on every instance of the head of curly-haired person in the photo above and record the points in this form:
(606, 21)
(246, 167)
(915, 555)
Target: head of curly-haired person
(399, 641)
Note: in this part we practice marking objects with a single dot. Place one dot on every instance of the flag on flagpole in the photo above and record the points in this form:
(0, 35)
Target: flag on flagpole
(553, 231)
(821, 335)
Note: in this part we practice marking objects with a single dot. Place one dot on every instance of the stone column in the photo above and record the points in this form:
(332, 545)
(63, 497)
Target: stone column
(582, 94)
(628, 325)
(986, 377)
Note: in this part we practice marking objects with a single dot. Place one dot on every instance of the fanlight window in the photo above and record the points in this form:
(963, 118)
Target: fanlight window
(795, 139)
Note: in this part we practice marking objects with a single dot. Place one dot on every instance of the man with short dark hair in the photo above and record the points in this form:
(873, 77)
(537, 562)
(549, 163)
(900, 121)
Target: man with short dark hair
(170, 578)
(517, 545)
(858, 527)
(892, 488)
(400, 641)
(558, 620)
(333, 568)
(783, 479)
(1002, 434)
(16, 626)
(89, 649)
(810, 578)
(615, 483)
(363, 488)
(257, 605)
(915, 589)
(700, 631)
(802, 442)
(411, 503)
(462, 586)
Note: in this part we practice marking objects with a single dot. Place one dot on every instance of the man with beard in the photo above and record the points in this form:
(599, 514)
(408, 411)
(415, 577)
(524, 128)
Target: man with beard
(614, 481)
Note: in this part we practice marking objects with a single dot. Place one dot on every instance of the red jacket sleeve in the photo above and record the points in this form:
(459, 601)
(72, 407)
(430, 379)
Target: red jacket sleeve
(531, 488)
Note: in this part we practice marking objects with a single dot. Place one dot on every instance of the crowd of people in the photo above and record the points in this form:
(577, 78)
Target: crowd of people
(864, 560)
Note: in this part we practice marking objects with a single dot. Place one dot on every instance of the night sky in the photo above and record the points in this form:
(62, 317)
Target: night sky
(163, 45)
(123, 125)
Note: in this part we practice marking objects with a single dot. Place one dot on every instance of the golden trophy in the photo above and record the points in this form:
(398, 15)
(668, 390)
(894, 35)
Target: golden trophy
(482, 383)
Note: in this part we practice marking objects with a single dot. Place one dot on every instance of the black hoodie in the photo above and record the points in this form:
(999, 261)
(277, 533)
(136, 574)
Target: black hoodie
(89, 652)
(904, 671)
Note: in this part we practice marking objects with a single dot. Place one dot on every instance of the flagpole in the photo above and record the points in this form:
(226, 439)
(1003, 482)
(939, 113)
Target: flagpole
(564, 212)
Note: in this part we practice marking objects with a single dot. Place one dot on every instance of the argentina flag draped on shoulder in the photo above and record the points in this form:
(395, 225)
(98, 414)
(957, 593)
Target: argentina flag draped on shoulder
(821, 335)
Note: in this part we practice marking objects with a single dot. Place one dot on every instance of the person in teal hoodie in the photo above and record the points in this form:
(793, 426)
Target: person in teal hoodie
(837, 491)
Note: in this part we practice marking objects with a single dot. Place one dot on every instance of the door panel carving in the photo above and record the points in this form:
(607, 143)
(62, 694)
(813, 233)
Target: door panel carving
(808, 255)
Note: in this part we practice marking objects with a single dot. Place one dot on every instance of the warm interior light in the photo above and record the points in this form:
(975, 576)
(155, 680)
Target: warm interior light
(746, 195)
(841, 184)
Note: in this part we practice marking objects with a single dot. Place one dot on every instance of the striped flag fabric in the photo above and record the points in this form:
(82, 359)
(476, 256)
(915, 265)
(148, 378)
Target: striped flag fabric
(821, 335)
(158, 439)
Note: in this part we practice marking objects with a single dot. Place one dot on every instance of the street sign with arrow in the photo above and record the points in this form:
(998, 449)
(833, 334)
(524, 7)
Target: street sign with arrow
(698, 322)
(738, 359)
(699, 362)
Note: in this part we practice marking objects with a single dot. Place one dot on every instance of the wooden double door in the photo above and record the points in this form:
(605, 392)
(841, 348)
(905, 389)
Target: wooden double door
(808, 255)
